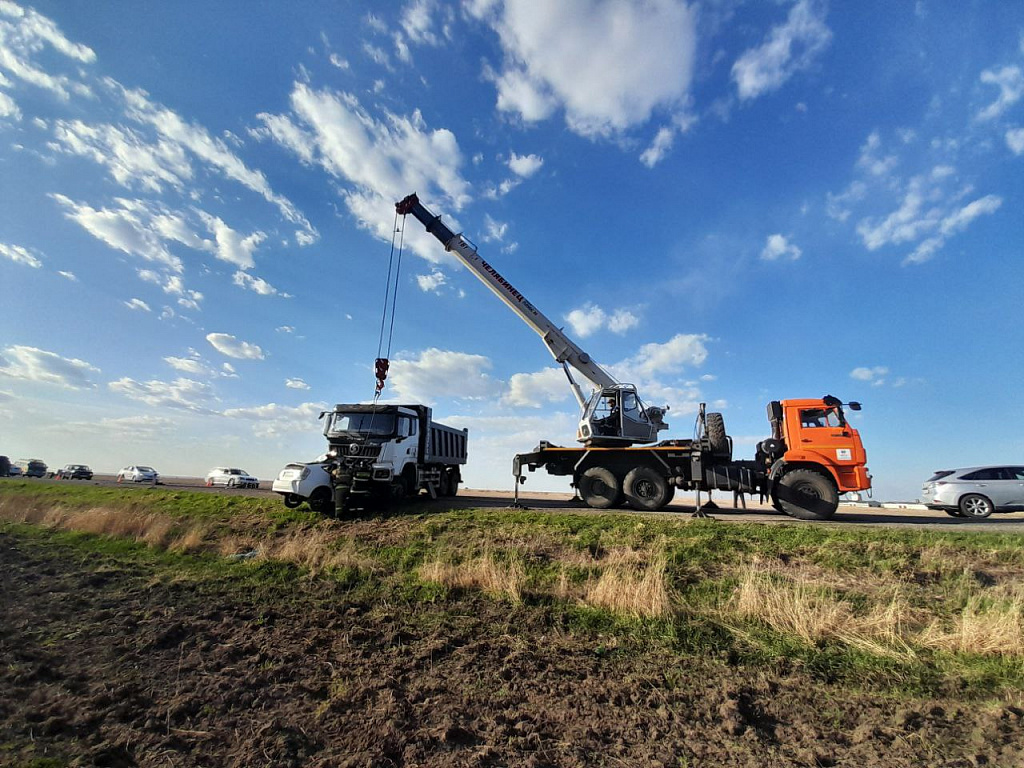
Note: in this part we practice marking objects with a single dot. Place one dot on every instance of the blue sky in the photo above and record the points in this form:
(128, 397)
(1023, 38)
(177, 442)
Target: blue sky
(728, 202)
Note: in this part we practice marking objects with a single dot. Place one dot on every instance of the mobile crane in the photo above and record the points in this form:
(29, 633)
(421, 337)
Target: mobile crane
(812, 456)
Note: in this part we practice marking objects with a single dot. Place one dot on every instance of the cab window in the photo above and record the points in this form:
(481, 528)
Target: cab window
(819, 417)
(406, 426)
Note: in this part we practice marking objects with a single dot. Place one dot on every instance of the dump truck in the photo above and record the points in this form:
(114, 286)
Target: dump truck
(812, 455)
(377, 452)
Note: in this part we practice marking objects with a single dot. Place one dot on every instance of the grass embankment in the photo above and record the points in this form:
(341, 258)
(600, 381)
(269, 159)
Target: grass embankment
(919, 611)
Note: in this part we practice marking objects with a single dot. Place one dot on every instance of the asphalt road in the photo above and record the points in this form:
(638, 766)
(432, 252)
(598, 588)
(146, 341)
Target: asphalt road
(682, 507)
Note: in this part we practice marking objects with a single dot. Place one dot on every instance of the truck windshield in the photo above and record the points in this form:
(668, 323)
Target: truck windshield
(362, 423)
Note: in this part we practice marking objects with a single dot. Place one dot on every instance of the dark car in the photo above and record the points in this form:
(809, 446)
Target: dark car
(73, 472)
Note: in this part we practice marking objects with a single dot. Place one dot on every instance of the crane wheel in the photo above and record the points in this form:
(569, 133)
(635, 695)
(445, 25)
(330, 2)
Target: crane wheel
(645, 488)
(807, 495)
(600, 488)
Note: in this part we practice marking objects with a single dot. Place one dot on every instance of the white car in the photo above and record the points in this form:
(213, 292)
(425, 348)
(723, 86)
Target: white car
(231, 477)
(138, 474)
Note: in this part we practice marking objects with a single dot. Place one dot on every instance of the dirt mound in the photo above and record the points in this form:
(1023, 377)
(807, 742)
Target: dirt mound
(105, 665)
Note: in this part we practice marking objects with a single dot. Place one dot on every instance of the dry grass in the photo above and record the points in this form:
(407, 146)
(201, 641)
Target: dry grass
(631, 587)
(993, 629)
(816, 614)
(483, 573)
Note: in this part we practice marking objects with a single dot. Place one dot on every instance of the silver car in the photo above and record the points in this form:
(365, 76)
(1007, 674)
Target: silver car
(231, 477)
(975, 491)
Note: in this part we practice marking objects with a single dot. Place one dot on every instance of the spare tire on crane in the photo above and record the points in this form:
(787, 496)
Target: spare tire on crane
(717, 438)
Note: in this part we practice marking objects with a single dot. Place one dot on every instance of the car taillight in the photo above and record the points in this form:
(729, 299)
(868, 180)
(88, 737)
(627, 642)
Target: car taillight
(305, 473)
(942, 482)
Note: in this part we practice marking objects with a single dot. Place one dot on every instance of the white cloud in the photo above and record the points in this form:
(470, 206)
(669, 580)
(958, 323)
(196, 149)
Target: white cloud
(957, 221)
(9, 108)
(24, 36)
(439, 373)
(869, 159)
(839, 207)
(384, 160)
(137, 304)
(182, 393)
(622, 320)
(210, 149)
(231, 246)
(431, 283)
(525, 166)
(256, 284)
(875, 376)
(682, 350)
(778, 247)
(20, 255)
(590, 318)
(273, 420)
(609, 65)
(495, 231)
(532, 390)
(145, 427)
(662, 143)
(296, 384)
(586, 320)
(1015, 140)
(1010, 81)
(229, 346)
(789, 48)
(418, 22)
(126, 228)
(68, 276)
(38, 365)
(195, 364)
(285, 329)
(131, 159)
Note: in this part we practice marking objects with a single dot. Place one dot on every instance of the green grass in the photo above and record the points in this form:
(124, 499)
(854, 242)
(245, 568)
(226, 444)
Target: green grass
(938, 573)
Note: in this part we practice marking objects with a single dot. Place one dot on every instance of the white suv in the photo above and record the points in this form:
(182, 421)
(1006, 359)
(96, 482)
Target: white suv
(138, 474)
(231, 477)
(975, 491)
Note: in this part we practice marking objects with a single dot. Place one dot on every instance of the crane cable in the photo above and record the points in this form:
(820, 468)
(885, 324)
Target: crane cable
(381, 364)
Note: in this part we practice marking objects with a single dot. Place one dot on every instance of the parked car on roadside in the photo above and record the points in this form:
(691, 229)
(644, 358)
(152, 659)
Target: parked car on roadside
(31, 467)
(137, 474)
(976, 492)
(73, 472)
(14, 471)
(231, 477)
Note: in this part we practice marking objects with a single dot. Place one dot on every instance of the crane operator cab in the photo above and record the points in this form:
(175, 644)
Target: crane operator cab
(615, 416)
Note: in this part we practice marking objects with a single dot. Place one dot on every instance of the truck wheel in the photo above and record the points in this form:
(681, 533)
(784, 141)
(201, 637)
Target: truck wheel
(975, 505)
(453, 483)
(600, 488)
(646, 489)
(291, 500)
(807, 495)
(321, 501)
(716, 434)
(409, 481)
(444, 483)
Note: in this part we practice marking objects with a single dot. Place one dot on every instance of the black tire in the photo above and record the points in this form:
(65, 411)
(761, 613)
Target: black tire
(291, 500)
(976, 506)
(444, 484)
(600, 488)
(645, 488)
(953, 512)
(409, 482)
(716, 434)
(453, 483)
(230, 483)
(807, 495)
(322, 501)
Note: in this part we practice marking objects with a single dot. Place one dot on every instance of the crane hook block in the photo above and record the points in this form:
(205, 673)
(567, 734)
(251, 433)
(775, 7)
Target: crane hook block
(380, 370)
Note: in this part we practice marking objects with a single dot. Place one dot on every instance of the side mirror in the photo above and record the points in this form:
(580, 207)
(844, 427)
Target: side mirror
(854, 406)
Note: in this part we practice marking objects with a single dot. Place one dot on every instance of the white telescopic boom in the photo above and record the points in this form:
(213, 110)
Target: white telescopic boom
(562, 348)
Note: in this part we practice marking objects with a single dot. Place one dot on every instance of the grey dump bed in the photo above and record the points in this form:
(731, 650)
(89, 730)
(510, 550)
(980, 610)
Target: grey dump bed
(445, 445)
